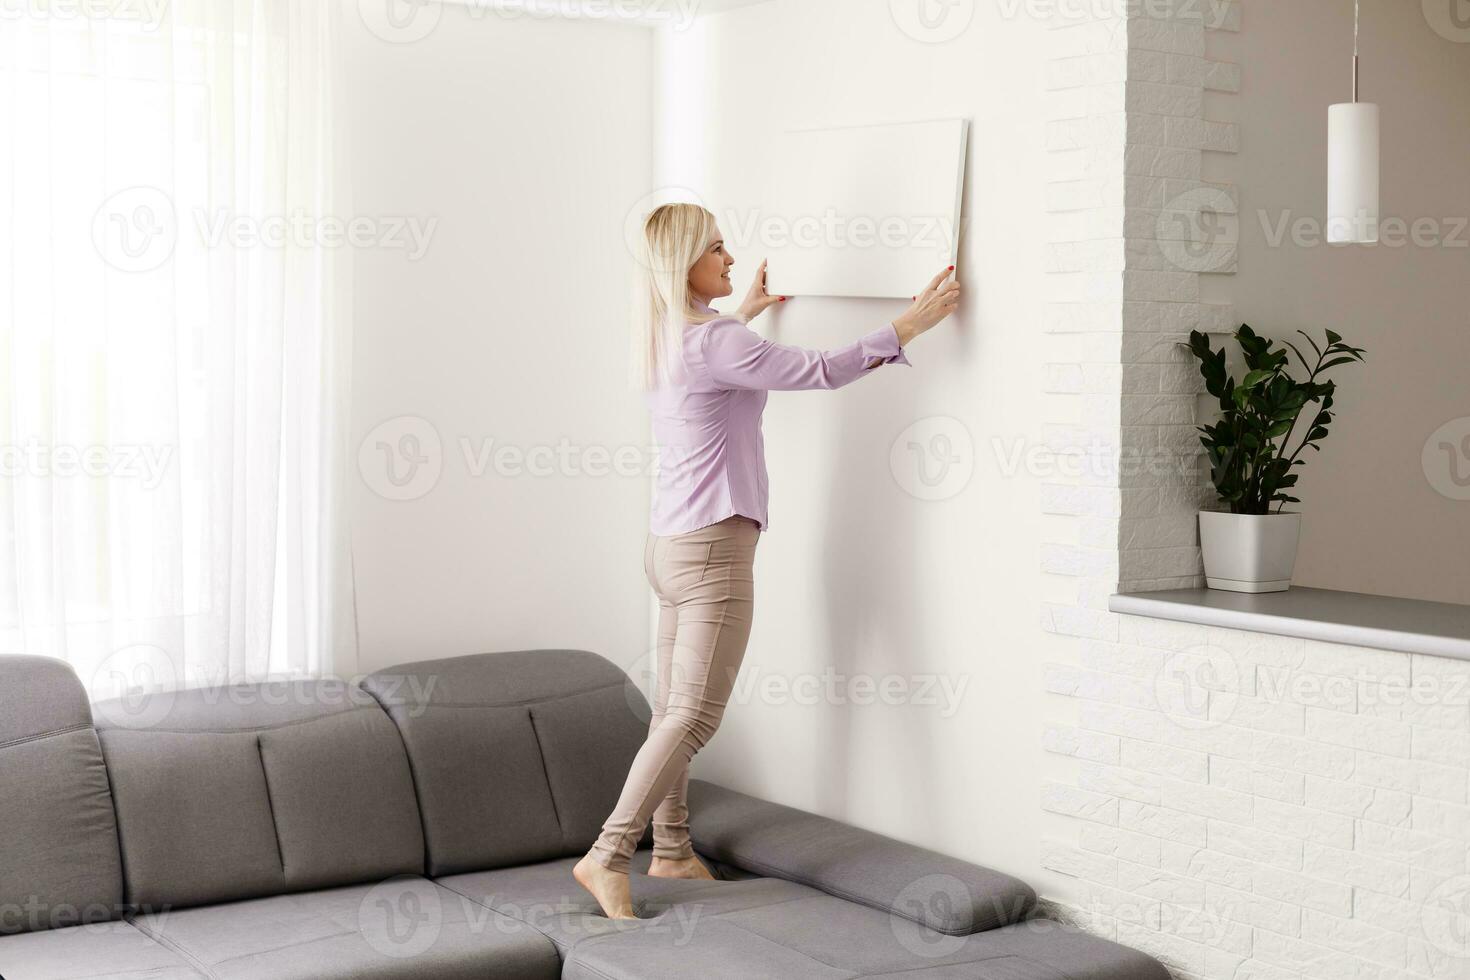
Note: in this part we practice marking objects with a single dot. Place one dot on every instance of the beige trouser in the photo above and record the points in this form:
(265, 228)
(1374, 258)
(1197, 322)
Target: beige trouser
(705, 594)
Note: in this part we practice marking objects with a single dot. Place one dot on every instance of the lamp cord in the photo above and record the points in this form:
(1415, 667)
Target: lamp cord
(1355, 49)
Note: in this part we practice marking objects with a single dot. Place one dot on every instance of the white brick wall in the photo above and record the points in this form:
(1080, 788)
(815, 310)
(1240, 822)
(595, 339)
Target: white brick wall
(1262, 806)
(1134, 229)
(1178, 229)
(1242, 806)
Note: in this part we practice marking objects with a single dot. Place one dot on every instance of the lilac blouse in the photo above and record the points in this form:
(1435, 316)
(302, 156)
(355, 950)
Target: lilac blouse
(711, 456)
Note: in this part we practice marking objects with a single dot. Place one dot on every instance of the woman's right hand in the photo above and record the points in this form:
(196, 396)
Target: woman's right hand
(938, 300)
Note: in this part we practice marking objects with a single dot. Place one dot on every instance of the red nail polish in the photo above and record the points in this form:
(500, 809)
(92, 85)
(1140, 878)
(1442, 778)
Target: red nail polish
(951, 268)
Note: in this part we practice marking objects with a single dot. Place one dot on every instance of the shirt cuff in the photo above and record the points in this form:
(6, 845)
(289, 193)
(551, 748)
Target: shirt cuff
(883, 344)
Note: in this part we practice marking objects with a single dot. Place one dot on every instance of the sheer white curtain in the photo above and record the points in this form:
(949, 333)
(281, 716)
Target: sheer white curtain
(174, 341)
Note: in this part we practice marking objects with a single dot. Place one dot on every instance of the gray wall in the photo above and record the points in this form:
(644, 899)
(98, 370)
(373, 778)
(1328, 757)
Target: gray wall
(1373, 521)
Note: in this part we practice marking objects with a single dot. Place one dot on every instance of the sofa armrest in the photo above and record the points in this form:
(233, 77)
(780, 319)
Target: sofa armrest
(944, 893)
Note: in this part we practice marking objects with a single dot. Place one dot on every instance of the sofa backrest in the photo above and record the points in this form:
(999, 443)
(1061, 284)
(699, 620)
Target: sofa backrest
(232, 793)
(517, 756)
(58, 838)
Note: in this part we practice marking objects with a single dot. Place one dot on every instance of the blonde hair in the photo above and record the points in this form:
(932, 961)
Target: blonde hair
(674, 237)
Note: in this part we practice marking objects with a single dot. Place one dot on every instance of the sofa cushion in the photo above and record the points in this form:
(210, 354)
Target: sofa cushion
(770, 927)
(1039, 949)
(819, 935)
(59, 863)
(719, 951)
(38, 696)
(256, 790)
(517, 757)
(114, 950)
(400, 929)
(935, 890)
(545, 895)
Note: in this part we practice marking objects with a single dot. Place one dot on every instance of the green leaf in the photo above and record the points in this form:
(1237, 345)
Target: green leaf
(1312, 342)
(1247, 448)
(1298, 354)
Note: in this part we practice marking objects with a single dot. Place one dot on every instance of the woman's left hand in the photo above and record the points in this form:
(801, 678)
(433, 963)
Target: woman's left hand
(757, 300)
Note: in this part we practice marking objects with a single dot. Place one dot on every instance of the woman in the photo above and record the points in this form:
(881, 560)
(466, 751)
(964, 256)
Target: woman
(707, 377)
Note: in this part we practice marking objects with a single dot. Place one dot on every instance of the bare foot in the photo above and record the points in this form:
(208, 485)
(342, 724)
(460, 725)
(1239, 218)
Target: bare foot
(687, 868)
(608, 887)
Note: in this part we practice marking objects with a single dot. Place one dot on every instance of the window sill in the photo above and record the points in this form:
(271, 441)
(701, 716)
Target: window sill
(1439, 629)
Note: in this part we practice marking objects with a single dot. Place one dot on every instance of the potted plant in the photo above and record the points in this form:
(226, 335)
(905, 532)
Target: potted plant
(1253, 449)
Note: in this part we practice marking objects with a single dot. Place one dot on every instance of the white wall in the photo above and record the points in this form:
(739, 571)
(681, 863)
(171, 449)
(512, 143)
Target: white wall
(860, 577)
(1372, 520)
(856, 575)
(536, 126)
(528, 140)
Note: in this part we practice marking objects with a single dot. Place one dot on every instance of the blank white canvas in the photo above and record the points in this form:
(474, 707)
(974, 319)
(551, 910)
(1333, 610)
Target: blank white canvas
(865, 210)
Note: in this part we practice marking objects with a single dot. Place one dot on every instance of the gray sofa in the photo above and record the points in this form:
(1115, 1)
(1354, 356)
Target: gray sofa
(424, 824)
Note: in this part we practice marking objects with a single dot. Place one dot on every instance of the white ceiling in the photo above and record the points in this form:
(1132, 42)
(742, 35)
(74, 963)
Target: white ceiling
(653, 12)
(714, 6)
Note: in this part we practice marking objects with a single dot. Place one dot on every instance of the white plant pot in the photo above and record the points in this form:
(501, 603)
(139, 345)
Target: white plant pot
(1249, 552)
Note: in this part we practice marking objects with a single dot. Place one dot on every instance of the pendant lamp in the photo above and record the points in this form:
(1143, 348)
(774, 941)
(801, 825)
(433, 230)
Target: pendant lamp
(1352, 164)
